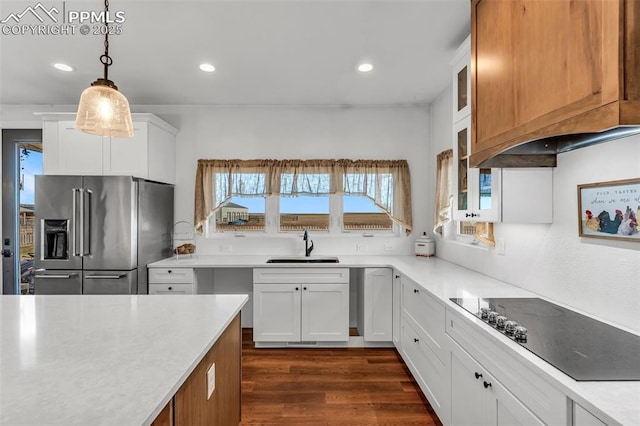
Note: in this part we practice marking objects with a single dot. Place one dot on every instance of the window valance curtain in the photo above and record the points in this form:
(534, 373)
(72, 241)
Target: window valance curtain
(386, 182)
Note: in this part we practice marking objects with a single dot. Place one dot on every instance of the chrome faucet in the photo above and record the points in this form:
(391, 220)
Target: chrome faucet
(307, 249)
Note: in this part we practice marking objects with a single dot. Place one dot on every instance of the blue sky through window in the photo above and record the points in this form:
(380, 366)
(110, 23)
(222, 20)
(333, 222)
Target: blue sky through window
(309, 204)
(29, 167)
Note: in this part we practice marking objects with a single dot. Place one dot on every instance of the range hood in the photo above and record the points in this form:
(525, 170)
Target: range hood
(543, 152)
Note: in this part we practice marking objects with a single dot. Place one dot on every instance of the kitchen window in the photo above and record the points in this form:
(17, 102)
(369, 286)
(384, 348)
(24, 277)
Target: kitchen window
(272, 196)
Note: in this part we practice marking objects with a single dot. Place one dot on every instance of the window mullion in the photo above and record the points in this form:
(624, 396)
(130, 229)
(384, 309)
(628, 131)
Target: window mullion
(335, 212)
(272, 212)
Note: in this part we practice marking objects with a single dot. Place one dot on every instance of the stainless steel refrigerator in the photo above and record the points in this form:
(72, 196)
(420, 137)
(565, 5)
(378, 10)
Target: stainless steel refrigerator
(96, 234)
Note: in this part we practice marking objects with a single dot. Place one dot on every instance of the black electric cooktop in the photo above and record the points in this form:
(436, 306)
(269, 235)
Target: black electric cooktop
(581, 347)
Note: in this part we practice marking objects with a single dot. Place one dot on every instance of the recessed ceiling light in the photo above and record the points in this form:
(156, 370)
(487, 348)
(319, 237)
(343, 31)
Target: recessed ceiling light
(63, 67)
(207, 67)
(365, 67)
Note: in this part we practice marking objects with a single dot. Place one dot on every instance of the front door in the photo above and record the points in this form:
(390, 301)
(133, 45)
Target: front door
(21, 160)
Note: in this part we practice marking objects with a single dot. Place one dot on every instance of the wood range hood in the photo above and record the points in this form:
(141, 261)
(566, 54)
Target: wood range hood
(543, 152)
(551, 77)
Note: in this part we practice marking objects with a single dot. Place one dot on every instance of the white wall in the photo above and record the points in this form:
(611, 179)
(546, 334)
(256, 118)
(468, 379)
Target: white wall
(395, 132)
(601, 277)
(356, 133)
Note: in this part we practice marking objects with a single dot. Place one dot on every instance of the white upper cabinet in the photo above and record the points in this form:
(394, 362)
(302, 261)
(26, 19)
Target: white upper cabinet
(462, 81)
(476, 194)
(491, 195)
(149, 154)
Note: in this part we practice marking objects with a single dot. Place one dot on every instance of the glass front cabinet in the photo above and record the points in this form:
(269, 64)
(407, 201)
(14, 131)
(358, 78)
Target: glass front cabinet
(476, 196)
(462, 81)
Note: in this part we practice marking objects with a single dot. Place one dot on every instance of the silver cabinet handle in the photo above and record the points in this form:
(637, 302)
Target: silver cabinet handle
(57, 276)
(106, 277)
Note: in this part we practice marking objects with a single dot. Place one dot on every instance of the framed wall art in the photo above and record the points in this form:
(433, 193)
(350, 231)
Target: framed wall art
(610, 210)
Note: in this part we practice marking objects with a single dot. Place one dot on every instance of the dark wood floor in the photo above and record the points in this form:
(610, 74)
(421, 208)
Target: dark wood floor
(329, 387)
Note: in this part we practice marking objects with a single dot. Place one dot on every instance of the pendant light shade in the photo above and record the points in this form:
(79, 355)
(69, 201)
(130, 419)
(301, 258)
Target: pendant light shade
(104, 111)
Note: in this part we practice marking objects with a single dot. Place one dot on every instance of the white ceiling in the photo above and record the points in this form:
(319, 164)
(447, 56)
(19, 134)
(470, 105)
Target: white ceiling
(266, 52)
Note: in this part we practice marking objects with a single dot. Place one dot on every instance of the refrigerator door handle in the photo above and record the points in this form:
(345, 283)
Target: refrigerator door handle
(105, 277)
(81, 216)
(86, 212)
(74, 227)
(56, 276)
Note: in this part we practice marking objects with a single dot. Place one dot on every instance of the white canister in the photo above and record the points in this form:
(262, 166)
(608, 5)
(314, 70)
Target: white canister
(425, 246)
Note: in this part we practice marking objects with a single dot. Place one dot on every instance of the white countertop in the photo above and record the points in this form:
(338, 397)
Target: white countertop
(614, 402)
(102, 360)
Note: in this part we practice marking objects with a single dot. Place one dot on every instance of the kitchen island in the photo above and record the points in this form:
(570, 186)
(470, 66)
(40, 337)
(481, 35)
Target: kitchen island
(109, 360)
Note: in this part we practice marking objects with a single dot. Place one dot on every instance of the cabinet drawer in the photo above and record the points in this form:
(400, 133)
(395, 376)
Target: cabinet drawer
(170, 275)
(170, 288)
(301, 275)
(544, 400)
(427, 314)
(429, 371)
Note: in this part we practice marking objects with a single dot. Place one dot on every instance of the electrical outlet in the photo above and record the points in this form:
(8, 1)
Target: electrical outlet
(211, 380)
(227, 248)
(361, 247)
(388, 247)
(500, 246)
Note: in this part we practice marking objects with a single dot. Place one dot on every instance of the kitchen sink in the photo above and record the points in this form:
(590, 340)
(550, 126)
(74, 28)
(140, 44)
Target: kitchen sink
(303, 260)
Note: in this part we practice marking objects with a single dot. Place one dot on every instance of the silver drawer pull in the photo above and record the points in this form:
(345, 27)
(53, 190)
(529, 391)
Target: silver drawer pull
(105, 277)
(57, 276)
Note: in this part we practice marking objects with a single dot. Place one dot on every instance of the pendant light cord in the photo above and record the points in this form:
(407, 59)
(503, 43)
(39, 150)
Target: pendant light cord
(106, 59)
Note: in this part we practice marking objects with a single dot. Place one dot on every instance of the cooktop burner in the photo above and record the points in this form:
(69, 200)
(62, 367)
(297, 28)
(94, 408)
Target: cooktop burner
(581, 347)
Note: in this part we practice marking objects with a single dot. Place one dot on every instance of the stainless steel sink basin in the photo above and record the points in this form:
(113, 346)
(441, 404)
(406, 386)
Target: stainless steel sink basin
(303, 260)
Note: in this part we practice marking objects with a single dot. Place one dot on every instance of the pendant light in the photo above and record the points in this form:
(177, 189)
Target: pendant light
(102, 110)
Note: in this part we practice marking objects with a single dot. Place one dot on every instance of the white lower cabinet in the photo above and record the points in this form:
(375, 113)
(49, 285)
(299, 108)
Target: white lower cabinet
(512, 394)
(430, 373)
(294, 305)
(582, 417)
(170, 289)
(172, 281)
(423, 344)
(477, 398)
(397, 309)
(376, 293)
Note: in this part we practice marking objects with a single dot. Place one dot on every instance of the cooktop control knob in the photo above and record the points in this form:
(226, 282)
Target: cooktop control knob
(484, 313)
(493, 316)
(520, 333)
(510, 327)
(500, 322)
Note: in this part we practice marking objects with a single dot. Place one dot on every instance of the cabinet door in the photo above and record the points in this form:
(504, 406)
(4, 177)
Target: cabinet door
(78, 153)
(478, 398)
(325, 312)
(476, 194)
(276, 312)
(504, 409)
(397, 309)
(429, 372)
(128, 156)
(162, 155)
(467, 391)
(378, 305)
(538, 63)
(462, 82)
